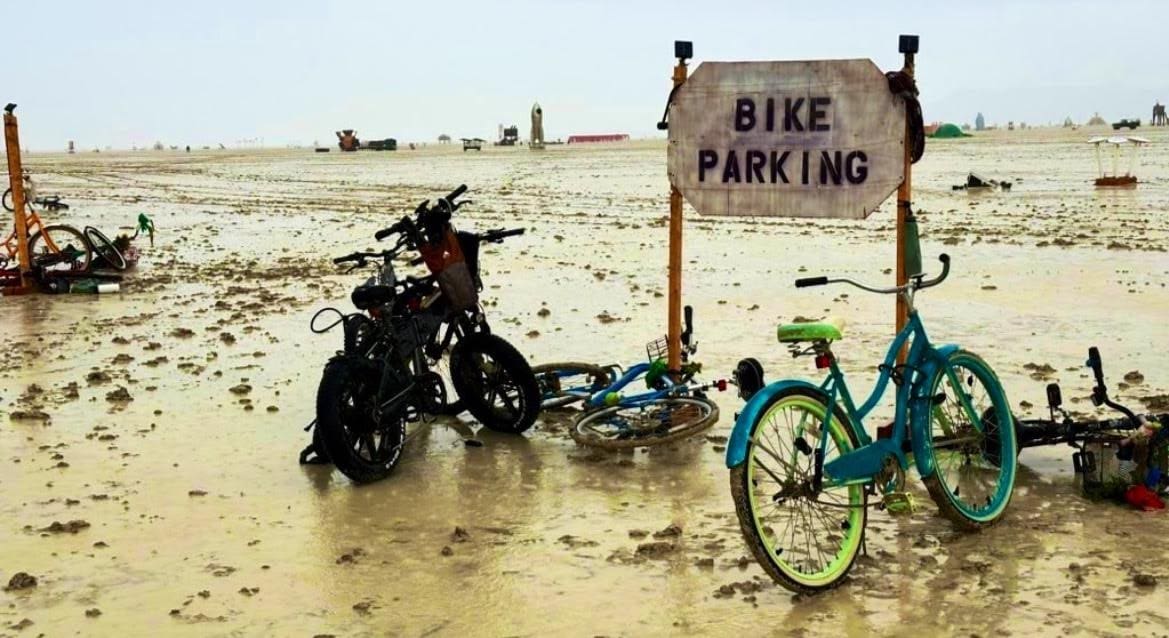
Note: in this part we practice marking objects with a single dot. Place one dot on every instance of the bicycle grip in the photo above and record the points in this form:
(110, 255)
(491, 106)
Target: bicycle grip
(455, 193)
(386, 232)
(811, 281)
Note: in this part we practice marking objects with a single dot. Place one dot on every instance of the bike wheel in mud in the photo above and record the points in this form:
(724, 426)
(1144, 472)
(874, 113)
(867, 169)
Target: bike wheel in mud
(359, 334)
(495, 383)
(108, 254)
(562, 384)
(654, 423)
(973, 463)
(806, 541)
(64, 246)
(364, 447)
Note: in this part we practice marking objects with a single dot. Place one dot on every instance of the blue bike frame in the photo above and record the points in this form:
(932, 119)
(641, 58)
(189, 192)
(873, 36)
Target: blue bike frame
(598, 399)
(914, 402)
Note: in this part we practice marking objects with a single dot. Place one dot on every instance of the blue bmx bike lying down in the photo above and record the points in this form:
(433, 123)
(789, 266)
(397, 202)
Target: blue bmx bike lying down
(802, 466)
(671, 408)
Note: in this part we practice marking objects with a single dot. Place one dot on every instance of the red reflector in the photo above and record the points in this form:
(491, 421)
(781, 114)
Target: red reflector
(823, 361)
(375, 313)
(721, 384)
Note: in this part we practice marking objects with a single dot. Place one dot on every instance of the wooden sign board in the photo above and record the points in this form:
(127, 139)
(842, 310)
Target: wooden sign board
(816, 138)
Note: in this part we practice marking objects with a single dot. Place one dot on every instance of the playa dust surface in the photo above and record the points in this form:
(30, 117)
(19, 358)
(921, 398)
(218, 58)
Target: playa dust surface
(160, 426)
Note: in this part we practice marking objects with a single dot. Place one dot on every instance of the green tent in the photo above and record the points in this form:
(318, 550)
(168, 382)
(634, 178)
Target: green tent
(948, 131)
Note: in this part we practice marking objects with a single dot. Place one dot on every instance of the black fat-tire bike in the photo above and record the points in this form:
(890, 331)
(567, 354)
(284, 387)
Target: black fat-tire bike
(391, 371)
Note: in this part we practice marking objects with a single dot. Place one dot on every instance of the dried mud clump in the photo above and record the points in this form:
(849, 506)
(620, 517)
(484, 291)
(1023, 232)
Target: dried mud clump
(21, 580)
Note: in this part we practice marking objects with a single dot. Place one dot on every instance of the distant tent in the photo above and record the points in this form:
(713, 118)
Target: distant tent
(948, 131)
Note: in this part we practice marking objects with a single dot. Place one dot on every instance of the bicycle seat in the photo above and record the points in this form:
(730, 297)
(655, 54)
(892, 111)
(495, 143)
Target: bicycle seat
(366, 297)
(831, 329)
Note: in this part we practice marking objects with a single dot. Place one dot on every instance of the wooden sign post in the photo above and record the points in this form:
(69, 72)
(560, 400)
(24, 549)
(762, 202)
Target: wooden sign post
(908, 47)
(674, 329)
(16, 182)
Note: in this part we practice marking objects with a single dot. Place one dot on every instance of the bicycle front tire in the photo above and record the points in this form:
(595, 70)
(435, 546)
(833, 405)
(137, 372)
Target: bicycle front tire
(659, 421)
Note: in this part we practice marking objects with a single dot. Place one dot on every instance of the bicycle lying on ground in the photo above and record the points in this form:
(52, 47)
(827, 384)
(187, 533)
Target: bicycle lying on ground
(1112, 455)
(58, 248)
(386, 375)
(671, 408)
(802, 467)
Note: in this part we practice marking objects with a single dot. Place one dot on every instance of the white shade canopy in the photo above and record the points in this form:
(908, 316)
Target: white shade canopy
(1119, 139)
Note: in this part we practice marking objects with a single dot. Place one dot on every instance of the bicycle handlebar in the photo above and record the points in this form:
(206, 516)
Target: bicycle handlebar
(917, 282)
(498, 235)
(360, 257)
(811, 281)
(450, 198)
(402, 225)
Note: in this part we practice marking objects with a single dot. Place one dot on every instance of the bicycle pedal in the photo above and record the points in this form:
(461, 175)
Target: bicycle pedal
(899, 503)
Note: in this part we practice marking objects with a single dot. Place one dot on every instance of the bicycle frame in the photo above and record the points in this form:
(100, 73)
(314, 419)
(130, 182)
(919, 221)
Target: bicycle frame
(598, 399)
(913, 403)
(31, 220)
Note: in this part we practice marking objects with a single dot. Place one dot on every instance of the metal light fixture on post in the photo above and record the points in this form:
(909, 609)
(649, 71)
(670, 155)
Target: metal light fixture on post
(16, 182)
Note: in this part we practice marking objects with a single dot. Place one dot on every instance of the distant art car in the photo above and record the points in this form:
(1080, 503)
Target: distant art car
(1126, 123)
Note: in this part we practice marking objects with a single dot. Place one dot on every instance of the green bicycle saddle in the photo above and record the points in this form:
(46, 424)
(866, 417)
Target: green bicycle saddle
(831, 329)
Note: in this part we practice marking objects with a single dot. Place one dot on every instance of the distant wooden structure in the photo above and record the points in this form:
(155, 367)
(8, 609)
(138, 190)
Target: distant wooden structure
(444, 139)
(1115, 179)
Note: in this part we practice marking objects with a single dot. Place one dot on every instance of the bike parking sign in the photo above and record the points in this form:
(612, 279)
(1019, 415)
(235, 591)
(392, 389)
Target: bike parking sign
(814, 138)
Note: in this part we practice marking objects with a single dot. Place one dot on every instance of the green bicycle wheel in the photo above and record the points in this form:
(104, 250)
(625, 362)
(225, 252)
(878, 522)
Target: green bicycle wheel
(972, 443)
(806, 541)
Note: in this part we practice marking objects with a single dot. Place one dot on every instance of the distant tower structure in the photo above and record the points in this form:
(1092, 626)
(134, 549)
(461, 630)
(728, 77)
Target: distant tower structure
(537, 138)
(980, 123)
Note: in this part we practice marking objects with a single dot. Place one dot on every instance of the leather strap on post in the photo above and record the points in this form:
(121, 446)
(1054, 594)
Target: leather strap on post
(902, 84)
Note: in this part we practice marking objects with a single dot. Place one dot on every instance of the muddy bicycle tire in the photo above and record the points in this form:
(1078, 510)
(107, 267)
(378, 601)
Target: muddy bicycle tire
(55, 232)
(105, 249)
(704, 422)
(478, 393)
(345, 401)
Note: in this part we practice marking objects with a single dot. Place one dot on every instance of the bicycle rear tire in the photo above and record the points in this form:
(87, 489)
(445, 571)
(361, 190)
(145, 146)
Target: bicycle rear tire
(81, 254)
(104, 248)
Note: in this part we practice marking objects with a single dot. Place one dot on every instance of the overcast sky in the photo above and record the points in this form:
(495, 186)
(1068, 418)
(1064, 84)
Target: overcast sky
(129, 73)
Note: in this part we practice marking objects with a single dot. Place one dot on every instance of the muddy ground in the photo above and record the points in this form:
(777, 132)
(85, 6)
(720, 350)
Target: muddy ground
(148, 439)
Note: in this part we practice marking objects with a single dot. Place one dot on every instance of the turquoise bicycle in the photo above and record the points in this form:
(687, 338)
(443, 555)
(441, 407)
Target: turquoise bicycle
(803, 467)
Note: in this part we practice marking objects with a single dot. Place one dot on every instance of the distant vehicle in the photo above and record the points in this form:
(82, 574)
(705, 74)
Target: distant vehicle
(1128, 124)
(473, 144)
(510, 136)
(388, 144)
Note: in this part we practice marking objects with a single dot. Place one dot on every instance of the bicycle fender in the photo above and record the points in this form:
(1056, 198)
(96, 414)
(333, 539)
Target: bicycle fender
(751, 412)
(920, 404)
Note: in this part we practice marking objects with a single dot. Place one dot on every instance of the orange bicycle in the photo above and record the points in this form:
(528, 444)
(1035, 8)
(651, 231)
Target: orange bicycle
(56, 247)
